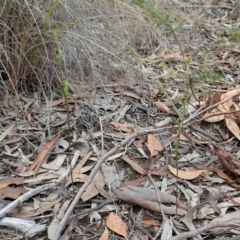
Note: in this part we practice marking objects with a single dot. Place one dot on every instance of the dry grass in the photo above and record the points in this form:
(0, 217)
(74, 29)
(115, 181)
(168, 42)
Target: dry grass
(92, 36)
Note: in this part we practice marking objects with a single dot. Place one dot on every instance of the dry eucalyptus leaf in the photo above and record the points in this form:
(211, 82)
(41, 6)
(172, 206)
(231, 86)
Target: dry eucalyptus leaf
(162, 107)
(81, 145)
(92, 190)
(154, 145)
(10, 192)
(233, 127)
(134, 165)
(188, 175)
(52, 228)
(8, 132)
(18, 180)
(44, 153)
(104, 235)
(167, 230)
(45, 207)
(189, 217)
(116, 224)
(77, 171)
(111, 176)
(213, 195)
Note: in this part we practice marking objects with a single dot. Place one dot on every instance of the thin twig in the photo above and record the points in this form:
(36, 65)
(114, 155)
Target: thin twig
(160, 206)
(99, 206)
(206, 228)
(157, 194)
(202, 110)
(101, 128)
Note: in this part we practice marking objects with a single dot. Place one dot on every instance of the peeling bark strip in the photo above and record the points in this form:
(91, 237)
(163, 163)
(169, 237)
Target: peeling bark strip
(147, 199)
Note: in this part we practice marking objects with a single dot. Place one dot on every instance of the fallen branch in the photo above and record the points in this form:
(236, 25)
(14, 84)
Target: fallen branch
(206, 228)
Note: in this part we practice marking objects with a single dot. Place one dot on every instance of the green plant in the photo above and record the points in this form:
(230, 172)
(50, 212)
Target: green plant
(64, 84)
(207, 74)
(235, 35)
(157, 16)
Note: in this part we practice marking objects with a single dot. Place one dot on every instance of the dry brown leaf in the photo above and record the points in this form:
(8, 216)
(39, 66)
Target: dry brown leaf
(39, 211)
(208, 117)
(158, 171)
(7, 133)
(162, 107)
(213, 195)
(142, 237)
(18, 180)
(229, 162)
(43, 153)
(44, 176)
(54, 103)
(6, 101)
(155, 92)
(122, 127)
(221, 174)
(154, 145)
(215, 98)
(134, 182)
(172, 55)
(188, 175)
(225, 160)
(139, 143)
(10, 192)
(231, 93)
(233, 127)
(117, 87)
(62, 100)
(134, 165)
(225, 107)
(222, 108)
(70, 107)
(223, 134)
(131, 94)
(150, 222)
(92, 190)
(76, 173)
(104, 235)
(116, 224)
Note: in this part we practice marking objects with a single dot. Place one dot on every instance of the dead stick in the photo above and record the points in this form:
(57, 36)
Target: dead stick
(206, 228)
(200, 111)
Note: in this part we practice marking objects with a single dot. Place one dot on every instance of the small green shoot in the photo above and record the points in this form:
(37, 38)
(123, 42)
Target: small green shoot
(185, 102)
(64, 84)
(235, 35)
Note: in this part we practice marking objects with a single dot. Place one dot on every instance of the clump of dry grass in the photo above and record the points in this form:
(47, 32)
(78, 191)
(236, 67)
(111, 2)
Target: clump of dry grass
(93, 37)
